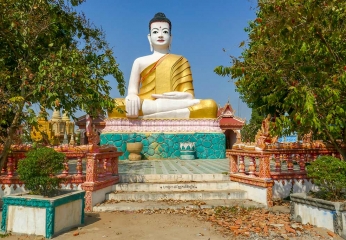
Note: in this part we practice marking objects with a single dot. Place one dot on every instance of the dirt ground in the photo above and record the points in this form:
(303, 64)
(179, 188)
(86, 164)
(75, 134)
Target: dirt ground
(195, 225)
(133, 226)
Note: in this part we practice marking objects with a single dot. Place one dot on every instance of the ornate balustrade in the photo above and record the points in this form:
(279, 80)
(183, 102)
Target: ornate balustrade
(73, 172)
(275, 163)
(90, 171)
(9, 171)
(261, 168)
(101, 173)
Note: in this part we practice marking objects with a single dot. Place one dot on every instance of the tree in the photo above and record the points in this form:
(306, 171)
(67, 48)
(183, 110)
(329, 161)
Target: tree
(52, 56)
(249, 131)
(294, 67)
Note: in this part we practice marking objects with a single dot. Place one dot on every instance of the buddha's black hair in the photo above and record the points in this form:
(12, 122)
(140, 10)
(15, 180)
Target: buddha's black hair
(160, 17)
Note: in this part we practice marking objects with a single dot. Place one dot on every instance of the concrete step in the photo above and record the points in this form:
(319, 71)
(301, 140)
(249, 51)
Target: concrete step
(176, 195)
(141, 178)
(175, 187)
(174, 205)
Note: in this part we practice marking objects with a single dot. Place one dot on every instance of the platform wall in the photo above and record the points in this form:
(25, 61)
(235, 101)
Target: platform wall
(167, 145)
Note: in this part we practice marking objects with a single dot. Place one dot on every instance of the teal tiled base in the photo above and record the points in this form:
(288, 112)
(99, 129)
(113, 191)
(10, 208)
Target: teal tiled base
(167, 145)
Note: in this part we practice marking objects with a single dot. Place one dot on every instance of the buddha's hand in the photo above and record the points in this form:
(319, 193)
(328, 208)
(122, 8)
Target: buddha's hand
(133, 104)
(173, 95)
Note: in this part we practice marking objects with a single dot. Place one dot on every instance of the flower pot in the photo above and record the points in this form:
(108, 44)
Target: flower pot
(135, 150)
(38, 215)
(187, 151)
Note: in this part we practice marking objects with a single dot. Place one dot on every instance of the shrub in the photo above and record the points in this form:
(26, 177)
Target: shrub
(39, 169)
(329, 174)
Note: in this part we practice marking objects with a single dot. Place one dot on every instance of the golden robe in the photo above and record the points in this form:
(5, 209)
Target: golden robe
(170, 73)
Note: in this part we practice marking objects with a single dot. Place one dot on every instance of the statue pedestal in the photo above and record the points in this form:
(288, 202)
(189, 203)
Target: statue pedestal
(161, 138)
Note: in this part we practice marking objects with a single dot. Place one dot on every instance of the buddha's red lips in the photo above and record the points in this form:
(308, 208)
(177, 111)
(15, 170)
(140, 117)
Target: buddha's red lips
(160, 40)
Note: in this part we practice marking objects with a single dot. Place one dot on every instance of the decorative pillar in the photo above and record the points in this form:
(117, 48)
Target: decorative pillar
(79, 167)
(289, 162)
(241, 165)
(66, 167)
(264, 167)
(91, 168)
(277, 163)
(270, 195)
(302, 162)
(233, 163)
(252, 167)
(10, 166)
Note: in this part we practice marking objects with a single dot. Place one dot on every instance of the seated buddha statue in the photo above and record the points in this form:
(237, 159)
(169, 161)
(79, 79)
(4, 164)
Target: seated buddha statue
(160, 84)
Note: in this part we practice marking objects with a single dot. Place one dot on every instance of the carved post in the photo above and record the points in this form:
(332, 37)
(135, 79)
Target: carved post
(282, 158)
(270, 196)
(79, 167)
(10, 166)
(233, 163)
(91, 169)
(264, 167)
(289, 162)
(302, 162)
(66, 168)
(100, 168)
(241, 165)
(252, 167)
(277, 163)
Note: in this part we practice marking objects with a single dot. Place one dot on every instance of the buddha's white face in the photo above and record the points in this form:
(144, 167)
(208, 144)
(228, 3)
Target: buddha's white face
(160, 35)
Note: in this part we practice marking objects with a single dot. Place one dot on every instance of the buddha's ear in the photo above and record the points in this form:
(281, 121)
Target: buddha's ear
(151, 45)
(170, 42)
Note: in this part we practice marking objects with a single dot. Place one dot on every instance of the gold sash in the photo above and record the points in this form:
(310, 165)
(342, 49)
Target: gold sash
(170, 73)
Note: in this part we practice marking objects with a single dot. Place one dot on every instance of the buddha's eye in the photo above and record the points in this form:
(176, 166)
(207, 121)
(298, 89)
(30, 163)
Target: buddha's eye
(165, 32)
(155, 32)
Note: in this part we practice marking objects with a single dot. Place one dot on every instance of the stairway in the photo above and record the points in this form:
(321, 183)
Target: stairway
(175, 188)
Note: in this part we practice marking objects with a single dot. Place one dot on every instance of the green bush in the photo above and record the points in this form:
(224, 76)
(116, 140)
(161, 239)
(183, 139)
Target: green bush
(329, 174)
(39, 169)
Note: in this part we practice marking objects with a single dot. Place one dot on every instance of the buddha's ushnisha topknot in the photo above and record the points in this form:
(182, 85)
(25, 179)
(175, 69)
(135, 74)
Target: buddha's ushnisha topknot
(160, 17)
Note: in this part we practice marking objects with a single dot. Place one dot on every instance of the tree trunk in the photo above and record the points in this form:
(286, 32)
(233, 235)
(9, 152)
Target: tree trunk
(338, 147)
(11, 132)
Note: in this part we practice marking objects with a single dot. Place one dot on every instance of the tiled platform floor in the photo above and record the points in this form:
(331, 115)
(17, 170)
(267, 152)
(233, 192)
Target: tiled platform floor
(174, 166)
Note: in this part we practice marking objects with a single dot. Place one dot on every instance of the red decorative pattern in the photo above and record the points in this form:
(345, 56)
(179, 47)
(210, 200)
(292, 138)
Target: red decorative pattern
(10, 166)
(269, 196)
(91, 169)
(88, 201)
(264, 169)
(94, 186)
(255, 181)
(79, 167)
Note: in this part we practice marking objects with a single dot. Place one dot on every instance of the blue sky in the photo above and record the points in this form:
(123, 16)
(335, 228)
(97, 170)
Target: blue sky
(201, 29)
